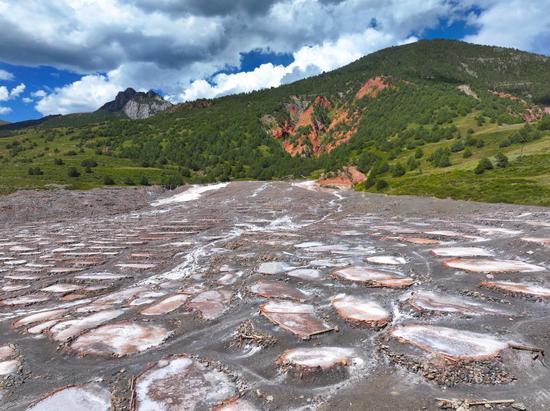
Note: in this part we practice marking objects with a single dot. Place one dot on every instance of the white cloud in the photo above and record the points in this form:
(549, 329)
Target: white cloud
(4, 93)
(5, 110)
(16, 91)
(6, 75)
(38, 94)
(27, 100)
(308, 61)
(86, 94)
(174, 45)
(514, 23)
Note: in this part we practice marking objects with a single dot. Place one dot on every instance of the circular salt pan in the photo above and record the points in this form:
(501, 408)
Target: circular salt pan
(450, 343)
(317, 357)
(462, 252)
(277, 289)
(88, 397)
(181, 383)
(492, 266)
(274, 267)
(521, 288)
(373, 278)
(386, 259)
(120, 339)
(308, 274)
(423, 300)
(360, 310)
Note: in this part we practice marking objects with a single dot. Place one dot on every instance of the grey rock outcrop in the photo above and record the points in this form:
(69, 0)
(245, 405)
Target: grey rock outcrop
(137, 105)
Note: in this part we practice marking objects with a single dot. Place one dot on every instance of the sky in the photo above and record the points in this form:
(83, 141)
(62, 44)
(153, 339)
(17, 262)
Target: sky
(67, 56)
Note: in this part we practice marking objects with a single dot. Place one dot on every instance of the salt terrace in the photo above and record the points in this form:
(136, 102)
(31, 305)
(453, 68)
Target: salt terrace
(251, 296)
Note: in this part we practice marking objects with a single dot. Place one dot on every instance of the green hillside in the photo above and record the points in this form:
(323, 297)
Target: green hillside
(417, 119)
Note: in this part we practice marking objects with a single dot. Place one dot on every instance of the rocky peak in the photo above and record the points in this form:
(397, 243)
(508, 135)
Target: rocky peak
(136, 104)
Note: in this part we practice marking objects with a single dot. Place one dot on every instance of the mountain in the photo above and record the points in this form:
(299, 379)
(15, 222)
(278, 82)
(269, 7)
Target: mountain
(136, 105)
(2, 122)
(26, 124)
(411, 119)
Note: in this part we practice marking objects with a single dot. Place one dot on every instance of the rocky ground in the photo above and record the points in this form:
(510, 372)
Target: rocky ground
(254, 295)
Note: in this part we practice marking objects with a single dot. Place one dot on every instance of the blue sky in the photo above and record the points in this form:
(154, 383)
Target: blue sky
(89, 50)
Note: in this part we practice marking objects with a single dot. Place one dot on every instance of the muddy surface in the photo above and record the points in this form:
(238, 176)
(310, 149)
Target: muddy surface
(254, 295)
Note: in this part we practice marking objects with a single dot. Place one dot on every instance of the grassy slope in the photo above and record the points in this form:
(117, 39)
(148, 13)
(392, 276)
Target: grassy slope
(525, 181)
(14, 171)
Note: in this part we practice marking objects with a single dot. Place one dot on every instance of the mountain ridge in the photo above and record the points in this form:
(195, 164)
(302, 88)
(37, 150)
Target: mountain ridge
(422, 112)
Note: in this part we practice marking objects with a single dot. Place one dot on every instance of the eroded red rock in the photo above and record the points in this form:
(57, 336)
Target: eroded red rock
(181, 383)
(450, 343)
(520, 288)
(373, 278)
(297, 318)
(277, 289)
(347, 177)
(360, 311)
(372, 87)
(120, 339)
(492, 266)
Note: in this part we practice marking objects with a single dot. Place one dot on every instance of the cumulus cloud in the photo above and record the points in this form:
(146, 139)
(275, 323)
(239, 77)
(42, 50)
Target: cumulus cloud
(174, 45)
(86, 94)
(27, 100)
(38, 94)
(5, 110)
(308, 61)
(4, 93)
(16, 91)
(6, 75)
(514, 23)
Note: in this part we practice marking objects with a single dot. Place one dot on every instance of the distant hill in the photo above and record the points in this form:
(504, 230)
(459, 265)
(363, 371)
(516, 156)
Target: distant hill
(416, 118)
(2, 122)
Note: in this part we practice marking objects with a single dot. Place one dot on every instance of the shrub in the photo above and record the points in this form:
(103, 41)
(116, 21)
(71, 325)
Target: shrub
(418, 153)
(144, 181)
(381, 185)
(458, 146)
(71, 153)
(440, 158)
(412, 164)
(128, 181)
(35, 171)
(398, 170)
(467, 153)
(58, 162)
(108, 181)
(88, 170)
(73, 172)
(88, 163)
(171, 181)
(483, 165)
(501, 160)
